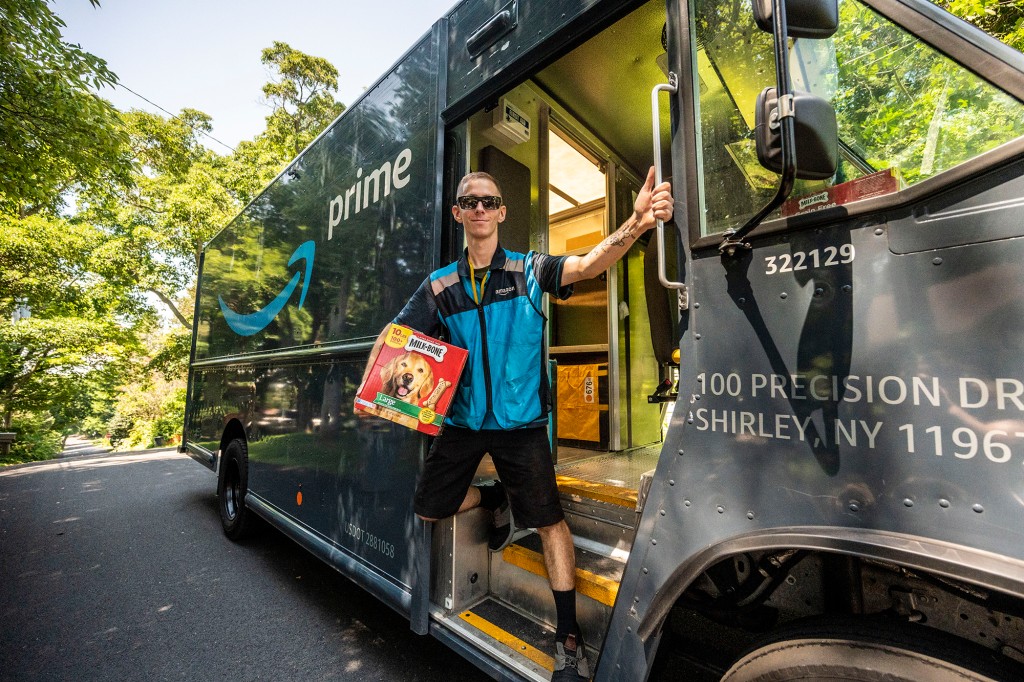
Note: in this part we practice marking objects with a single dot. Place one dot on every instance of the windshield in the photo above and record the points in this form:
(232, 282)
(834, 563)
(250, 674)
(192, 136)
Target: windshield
(905, 111)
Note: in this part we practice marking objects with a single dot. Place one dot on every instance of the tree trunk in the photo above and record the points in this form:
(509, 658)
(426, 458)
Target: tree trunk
(170, 304)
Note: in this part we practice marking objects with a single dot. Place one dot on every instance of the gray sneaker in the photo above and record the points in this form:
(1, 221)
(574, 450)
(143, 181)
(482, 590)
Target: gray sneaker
(504, 527)
(571, 660)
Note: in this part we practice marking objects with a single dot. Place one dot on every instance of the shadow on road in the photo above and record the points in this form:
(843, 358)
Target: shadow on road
(115, 567)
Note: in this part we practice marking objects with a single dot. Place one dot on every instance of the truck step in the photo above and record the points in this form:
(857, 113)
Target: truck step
(515, 639)
(518, 578)
(513, 631)
(601, 492)
(602, 517)
(597, 576)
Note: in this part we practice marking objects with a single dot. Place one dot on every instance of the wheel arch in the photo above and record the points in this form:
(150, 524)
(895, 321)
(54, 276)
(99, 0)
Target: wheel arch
(232, 430)
(938, 558)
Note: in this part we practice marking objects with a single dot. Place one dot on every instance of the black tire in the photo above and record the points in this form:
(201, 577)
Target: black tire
(232, 486)
(869, 650)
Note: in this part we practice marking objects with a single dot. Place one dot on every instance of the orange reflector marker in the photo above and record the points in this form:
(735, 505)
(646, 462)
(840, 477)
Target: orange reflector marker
(298, 498)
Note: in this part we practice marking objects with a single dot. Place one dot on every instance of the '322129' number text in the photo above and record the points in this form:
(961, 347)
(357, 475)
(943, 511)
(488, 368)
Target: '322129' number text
(805, 260)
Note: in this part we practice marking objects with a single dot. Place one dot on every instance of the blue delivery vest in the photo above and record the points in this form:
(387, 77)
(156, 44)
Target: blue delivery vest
(504, 384)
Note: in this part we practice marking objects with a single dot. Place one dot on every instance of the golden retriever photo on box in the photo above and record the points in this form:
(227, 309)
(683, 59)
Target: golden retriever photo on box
(407, 377)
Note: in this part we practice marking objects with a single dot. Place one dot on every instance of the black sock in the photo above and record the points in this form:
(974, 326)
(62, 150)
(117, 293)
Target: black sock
(565, 608)
(491, 496)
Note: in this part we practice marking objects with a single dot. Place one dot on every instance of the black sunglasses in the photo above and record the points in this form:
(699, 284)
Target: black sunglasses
(469, 202)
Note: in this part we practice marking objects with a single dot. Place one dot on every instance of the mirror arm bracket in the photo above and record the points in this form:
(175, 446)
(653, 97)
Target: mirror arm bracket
(787, 106)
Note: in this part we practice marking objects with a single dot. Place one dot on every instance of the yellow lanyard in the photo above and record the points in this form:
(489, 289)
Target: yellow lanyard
(472, 282)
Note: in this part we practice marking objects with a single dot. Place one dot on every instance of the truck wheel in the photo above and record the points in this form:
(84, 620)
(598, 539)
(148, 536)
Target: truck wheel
(232, 486)
(869, 650)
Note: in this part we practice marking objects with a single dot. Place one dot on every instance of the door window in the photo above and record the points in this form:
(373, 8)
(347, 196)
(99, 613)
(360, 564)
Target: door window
(905, 111)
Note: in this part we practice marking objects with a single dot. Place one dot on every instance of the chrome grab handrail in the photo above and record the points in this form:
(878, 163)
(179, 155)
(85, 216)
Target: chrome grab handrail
(670, 87)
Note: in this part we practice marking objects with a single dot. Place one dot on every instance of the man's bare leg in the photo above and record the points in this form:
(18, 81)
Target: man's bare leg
(559, 556)
(471, 500)
(560, 559)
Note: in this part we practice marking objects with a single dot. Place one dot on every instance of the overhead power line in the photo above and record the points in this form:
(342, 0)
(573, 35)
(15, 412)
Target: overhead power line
(173, 115)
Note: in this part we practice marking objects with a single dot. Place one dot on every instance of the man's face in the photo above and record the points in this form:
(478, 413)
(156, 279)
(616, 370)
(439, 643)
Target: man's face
(479, 222)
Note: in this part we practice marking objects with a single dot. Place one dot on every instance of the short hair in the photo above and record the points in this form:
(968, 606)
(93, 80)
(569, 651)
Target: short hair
(478, 175)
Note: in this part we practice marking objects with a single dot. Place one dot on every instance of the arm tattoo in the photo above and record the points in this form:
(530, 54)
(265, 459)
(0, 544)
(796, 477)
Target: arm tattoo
(619, 237)
(601, 255)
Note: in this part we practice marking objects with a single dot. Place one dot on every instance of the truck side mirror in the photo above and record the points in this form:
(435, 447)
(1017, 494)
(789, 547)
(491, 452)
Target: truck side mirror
(804, 18)
(816, 134)
(796, 134)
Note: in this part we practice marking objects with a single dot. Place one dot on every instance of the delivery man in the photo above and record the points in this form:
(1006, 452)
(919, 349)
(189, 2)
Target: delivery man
(489, 302)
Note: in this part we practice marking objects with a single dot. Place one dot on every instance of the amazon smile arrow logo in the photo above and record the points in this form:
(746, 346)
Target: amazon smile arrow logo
(247, 325)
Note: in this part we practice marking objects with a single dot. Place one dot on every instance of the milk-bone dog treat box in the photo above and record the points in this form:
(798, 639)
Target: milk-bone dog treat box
(413, 380)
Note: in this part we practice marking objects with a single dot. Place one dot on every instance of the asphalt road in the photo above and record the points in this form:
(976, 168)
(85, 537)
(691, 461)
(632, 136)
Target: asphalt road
(77, 446)
(115, 568)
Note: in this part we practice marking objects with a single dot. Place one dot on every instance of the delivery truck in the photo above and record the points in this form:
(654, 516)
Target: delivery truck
(788, 428)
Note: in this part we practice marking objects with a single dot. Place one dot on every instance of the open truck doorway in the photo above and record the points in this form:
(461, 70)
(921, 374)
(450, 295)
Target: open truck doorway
(570, 145)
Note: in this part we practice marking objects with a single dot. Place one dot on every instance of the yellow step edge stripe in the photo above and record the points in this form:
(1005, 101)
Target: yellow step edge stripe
(597, 587)
(508, 639)
(602, 492)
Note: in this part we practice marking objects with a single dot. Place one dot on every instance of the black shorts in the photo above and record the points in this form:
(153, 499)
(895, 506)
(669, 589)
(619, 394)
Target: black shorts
(522, 458)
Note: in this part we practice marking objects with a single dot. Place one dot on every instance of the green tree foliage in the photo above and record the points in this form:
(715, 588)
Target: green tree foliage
(1002, 19)
(179, 198)
(148, 414)
(147, 195)
(63, 361)
(46, 365)
(300, 94)
(906, 106)
(58, 139)
(302, 106)
(61, 267)
(35, 439)
(172, 354)
(55, 132)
